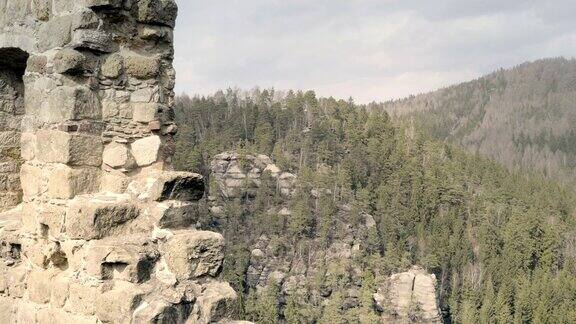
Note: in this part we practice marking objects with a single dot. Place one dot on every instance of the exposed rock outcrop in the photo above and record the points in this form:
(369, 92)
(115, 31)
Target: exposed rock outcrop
(409, 297)
(103, 233)
(240, 175)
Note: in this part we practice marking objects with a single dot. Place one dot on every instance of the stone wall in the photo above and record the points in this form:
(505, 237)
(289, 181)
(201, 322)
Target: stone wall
(104, 231)
(11, 113)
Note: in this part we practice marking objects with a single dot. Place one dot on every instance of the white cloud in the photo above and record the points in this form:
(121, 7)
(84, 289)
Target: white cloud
(367, 49)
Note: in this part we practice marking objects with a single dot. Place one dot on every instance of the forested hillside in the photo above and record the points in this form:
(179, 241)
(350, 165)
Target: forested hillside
(522, 117)
(372, 198)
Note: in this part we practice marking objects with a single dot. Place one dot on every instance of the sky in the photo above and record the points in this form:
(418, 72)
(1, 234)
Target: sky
(370, 50)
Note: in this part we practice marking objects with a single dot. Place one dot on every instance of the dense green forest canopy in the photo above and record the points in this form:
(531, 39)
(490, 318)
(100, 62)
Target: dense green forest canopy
(502, 244)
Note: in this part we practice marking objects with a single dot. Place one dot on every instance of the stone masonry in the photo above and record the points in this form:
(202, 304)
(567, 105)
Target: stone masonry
(103, 228)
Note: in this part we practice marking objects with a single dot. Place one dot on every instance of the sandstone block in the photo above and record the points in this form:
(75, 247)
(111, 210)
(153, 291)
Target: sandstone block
(118, 304)
(28, 146)
(97, 217)
(65, 182)
(119, 260)
(59, 292)
(82, 297)
(16, 281)
(70, 103)
(193, 254)
(104, 4)
(9, 139)
(117, 155)
(59, 316)
(146, 150)
(67, 148)
(39, 286)
(69, 61)
(169, 185)
(215, 302)
(31, 177)
(157, 12)
(7, 310)
(94, 40)
(114, 182)
(113, 66)
(42, 9)
(55, 33)
(142, 67)
(176, 214)
(26, 312)
(146, 112)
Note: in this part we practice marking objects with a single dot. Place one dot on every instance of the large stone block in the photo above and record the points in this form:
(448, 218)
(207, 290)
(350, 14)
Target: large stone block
(82, 297)
(70, 103)
(65, 182)
(157, 12)
(69, 61)
(104, 4)
(68, 148)
(31, 176)
(146, 150)
(59, 292)
(168, 185)
(176, 214)
(90, 217)
(118, 304)
(117, 155)
(193, 254)
(120, 260)
(94, 40)
(146, 112)
(55, 33)
(39, 285)
(142, 67)
(113, 66)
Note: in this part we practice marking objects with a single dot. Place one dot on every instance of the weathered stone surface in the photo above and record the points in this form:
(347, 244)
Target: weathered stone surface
(113, 66)
(146, 150)
(160, 12)
(65, 182)
(68, 148)
(100, 216)
(194, 254)
(240, 176)
(93, 40)
(146, 112)
(409, 296)
(104, 4)
(103, 234)
(117, 155)
(55, 33)
(117, 304)
(168, 185)
(142, 67)
(176, 214)
(214, 303)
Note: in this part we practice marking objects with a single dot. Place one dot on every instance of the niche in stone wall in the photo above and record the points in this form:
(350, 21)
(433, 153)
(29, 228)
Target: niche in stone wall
(12, 68)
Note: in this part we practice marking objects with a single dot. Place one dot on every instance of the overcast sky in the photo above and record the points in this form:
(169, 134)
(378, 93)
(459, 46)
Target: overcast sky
(367, 49)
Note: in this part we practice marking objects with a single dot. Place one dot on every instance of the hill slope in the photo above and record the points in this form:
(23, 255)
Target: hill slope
(522, 117)
(365, 199)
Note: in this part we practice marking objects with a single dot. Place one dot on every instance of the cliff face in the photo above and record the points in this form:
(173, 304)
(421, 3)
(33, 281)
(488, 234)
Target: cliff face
(311, 273)
(103, 232)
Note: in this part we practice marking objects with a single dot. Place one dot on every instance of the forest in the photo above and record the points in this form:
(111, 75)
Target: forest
(502, 243)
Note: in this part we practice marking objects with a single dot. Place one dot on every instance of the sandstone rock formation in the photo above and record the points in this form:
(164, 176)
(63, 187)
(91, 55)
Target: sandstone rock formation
(239, 175)
(409, 297)
(102, 234)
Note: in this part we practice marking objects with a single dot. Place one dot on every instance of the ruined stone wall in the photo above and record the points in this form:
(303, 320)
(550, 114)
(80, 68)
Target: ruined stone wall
(104, 233)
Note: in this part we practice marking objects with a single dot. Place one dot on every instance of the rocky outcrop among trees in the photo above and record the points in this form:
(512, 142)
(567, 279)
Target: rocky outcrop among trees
(104, 229)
